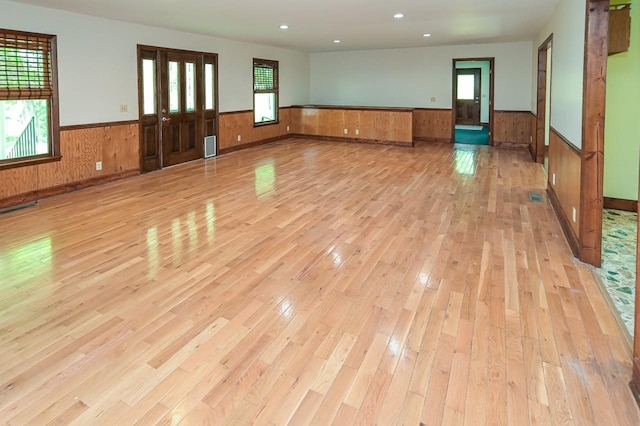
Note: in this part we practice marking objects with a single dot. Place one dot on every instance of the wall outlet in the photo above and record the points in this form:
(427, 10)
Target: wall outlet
(574, 214)
(357, 132)
(124, 108)
(98, 165)
(239, 138)
(433, 99)
(346, 131)
(553, 179)
(287, 128)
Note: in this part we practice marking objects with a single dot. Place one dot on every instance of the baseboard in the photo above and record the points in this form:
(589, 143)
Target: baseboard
(353, 140)
(620, 204)
(511, 145)
(572, 238)
(425, 139)
(248, 145)
(533, 155)
(62, 189)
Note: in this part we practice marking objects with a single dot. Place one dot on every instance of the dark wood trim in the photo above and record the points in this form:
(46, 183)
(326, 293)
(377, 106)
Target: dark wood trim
(532, 148)
(541, 99)
(432, 109)
(511, 145)
(353, 140)
(29, 161)
(62, 189)
(243, 111)
(350, 107)
(574, 148)
(593, 113)
(267, 123)
(572, 238)
(425, 139)
(254, 144)
(454, 85)
(510, 111)
(250, 111)
(620, 204)
(97, 125)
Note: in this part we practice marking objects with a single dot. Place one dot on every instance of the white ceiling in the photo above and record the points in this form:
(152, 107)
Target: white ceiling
(360, 24)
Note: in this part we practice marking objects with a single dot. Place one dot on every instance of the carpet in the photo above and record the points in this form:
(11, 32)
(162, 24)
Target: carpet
(473, 137)
(467, 127)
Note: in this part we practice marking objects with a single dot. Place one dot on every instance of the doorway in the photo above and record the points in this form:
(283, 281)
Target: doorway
(472, 101)
(543, 122)
(177, 92)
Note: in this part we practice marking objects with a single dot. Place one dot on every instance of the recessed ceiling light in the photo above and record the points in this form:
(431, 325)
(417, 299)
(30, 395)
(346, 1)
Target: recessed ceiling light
(337, 41)
(426, 35)
(284, 27)
(399, 15)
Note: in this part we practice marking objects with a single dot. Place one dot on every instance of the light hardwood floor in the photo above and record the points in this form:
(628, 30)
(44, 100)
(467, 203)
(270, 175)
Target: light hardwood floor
(308, 282)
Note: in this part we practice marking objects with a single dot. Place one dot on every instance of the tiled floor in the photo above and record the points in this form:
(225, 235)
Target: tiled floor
(619, 239)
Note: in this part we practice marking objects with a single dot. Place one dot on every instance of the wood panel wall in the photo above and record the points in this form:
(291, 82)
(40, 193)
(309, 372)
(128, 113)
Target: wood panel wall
(565, 162)
(512, 129)
(534, 135)
(116, 146)
(240, 123)
(432, 125)
(389, 126)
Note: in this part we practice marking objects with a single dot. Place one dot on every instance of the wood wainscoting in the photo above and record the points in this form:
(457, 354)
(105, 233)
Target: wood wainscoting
(565, 163)
(114, 144)
(512, 129)
(620, 204)
(241, 123)
(392, 126)
(533, 122)
(432, 125)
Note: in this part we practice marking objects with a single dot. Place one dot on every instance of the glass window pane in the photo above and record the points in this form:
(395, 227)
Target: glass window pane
(265, 107)
(190, 75)
(209, 87)
(149, 86)
(24, 128)
(466, 87)
(174, 87)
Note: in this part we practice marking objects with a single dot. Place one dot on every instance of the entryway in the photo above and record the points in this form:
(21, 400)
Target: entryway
(178, 105)
(472, 101)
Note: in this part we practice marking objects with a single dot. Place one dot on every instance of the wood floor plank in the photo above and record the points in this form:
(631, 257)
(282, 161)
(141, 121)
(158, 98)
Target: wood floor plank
(308, 282)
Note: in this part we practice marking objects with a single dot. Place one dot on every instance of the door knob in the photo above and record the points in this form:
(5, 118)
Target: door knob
(165, 119)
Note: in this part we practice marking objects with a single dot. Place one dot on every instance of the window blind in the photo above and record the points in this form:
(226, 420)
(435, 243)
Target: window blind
(265, 75)
(25, 66)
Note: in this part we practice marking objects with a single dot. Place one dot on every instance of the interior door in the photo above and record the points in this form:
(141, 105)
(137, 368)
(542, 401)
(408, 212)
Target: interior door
(181, 107)
(468, 96)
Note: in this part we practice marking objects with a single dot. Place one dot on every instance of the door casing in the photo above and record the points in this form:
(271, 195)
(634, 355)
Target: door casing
(454, 79)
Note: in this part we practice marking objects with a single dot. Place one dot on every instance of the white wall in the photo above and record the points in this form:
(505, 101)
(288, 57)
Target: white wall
(485, 85)
(411, 77)
(567, 72)
(97, 63)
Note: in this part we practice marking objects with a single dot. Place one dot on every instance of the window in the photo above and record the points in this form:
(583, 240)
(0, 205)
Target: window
(265, 91)
(28, 99)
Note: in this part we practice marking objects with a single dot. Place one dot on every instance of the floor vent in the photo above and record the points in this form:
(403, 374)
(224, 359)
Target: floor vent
(210, 147)
(536, 197)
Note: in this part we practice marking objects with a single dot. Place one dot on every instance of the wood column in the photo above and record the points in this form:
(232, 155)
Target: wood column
(595, 72)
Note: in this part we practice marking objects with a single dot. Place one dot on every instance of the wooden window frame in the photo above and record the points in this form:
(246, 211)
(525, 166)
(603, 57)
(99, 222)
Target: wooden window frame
(275, 65)
(53, 111)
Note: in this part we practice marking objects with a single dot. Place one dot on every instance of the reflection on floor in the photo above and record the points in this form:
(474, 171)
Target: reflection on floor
(619, 239)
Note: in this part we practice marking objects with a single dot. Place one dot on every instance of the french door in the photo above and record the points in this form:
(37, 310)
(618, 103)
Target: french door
(178, 105)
